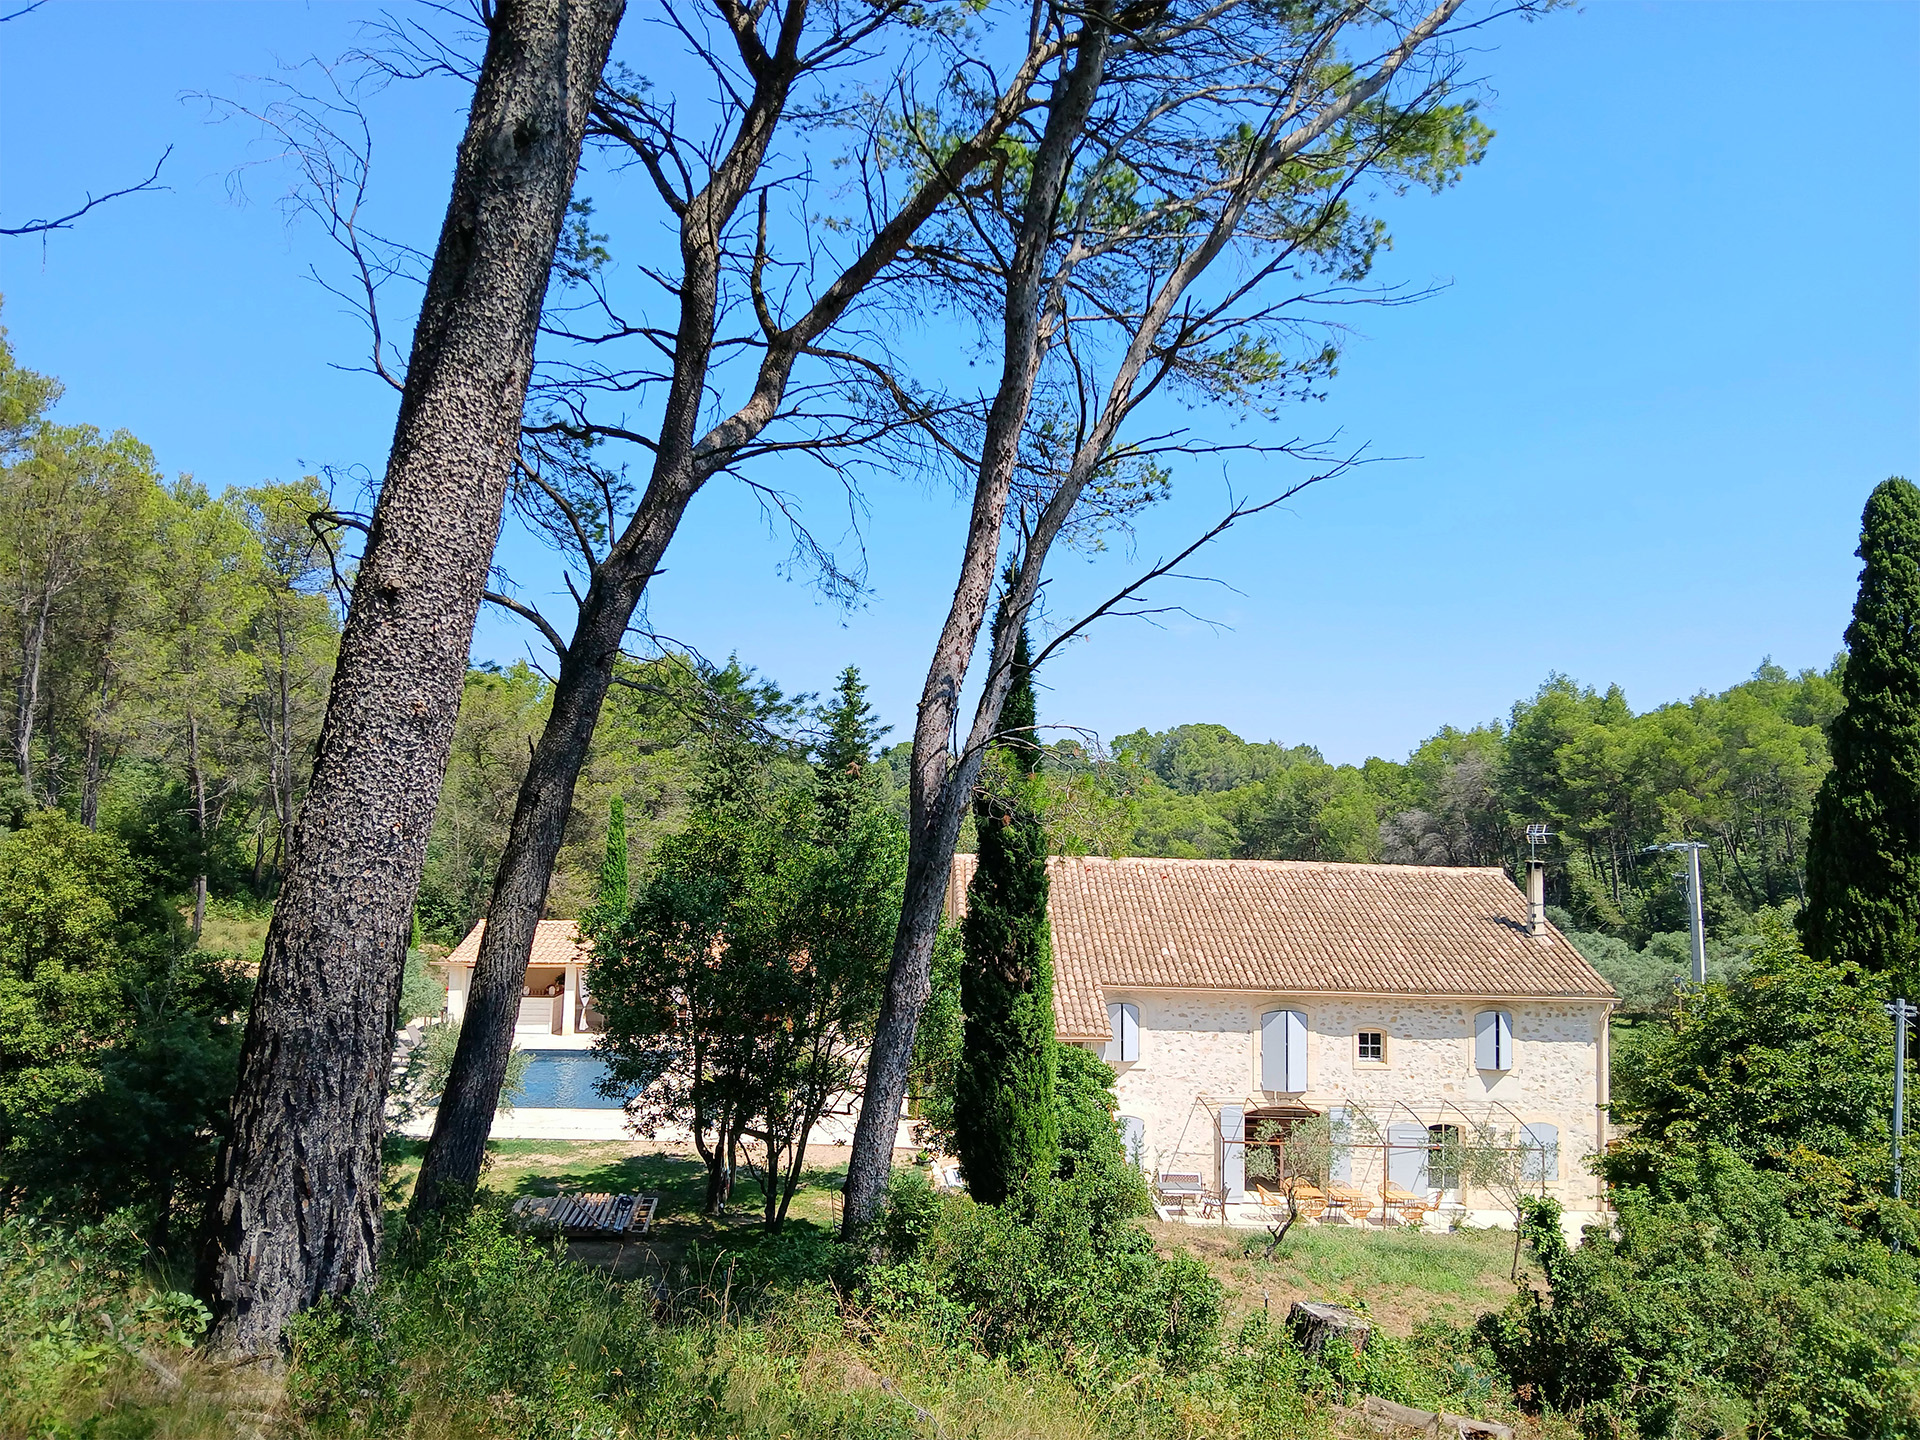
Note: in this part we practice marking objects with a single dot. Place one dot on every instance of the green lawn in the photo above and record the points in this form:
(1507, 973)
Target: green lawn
(545, 1167)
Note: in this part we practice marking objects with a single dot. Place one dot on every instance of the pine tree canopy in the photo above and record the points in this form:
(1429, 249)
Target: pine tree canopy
(1863, 847)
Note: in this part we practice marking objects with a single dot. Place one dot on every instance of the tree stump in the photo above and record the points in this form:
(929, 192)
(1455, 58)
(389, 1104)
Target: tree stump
(1316, 1324)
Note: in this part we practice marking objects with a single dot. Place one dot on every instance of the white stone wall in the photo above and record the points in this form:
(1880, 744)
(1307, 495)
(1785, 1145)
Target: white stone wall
(1196, 1044)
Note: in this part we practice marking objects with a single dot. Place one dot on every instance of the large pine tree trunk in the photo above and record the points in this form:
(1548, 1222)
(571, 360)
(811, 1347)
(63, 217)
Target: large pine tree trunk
(296, 1215)
(33, 652)
(465, 1115)
(682, 463)
(197, 774)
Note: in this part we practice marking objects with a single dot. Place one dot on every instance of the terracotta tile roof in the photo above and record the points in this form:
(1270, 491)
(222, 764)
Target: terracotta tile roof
(1290, 926)
(555, 942)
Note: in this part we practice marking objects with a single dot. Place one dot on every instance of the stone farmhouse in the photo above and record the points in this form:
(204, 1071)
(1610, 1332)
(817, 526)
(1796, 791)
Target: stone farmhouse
(1418, 1011)
(1423, 1011)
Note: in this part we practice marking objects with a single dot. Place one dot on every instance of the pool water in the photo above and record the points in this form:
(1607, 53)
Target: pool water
(564, 1080)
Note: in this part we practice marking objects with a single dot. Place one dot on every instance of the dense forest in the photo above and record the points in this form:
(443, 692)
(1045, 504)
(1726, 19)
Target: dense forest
(168, 652)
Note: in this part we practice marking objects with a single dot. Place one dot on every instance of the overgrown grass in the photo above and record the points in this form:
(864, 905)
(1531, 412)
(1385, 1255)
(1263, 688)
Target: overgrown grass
(1403, 1276)
(237, 927)
(477, 1332)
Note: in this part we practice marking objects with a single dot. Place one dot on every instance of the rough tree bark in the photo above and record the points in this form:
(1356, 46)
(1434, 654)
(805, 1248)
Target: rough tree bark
(296, 1211)
(197, 777)
(684, 461)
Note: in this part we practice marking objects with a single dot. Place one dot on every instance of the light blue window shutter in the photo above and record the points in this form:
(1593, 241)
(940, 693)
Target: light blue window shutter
(1283, 1051)
(1340, 1132)
(1493, 1040)
(1540, 1159)
(1296, 1025)
(1129, 1033)
(1232, 1151)
(1407, 1156)
(1110, 1052)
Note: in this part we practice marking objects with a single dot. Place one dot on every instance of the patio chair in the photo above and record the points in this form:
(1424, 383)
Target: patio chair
(1312, 1201)
(1404, 1206)
(1348, 1204)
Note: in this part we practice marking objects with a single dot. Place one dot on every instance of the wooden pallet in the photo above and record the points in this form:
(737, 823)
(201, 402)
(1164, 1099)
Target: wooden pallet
(589, 1217)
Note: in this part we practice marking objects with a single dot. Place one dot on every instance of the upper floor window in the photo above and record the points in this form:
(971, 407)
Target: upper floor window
(1124, 1047)
(1372, 1047)
(1283, 1051)
(1493, 1040)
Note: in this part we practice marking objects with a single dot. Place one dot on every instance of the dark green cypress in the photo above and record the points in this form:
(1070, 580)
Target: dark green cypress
(1005, 1125)
(1863, 848)
(613, 900)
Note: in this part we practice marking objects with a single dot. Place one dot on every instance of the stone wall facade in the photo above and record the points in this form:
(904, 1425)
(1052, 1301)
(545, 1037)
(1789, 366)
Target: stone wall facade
(1199, 1051)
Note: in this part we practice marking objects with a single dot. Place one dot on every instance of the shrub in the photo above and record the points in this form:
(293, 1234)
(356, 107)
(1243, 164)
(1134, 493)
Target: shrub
(1785, 1065)
(1063, 1276)
(74, 1308)
(1714, 1310)
(118, 1045)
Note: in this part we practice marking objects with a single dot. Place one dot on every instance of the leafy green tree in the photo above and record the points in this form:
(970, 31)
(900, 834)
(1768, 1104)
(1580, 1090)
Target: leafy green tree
(1863, 862)
(614, 898)
(1715, 1306)
(295, 638)
(741, 986)
(1787, 1066)
(937, 1047)
(1006, 1132)
(196, 667)
(117, 1046)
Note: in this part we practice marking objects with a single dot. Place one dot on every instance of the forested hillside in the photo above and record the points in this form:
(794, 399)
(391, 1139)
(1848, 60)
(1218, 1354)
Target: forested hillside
(166, 651)
(167, 654)
(1738, 769)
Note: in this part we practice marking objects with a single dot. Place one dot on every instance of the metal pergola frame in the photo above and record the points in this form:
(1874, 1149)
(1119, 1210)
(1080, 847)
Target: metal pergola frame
(1379, 1116)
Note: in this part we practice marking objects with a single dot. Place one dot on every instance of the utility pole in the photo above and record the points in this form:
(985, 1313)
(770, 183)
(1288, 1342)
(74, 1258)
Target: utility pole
(1696, 918)
(1902, 1011)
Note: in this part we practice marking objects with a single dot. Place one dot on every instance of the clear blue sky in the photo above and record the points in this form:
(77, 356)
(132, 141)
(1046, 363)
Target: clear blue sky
(1679, 342)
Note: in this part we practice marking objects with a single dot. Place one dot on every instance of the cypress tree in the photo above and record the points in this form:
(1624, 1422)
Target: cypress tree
(613, 899)
(849, 733)
(1005, 1126)
(1863, 847)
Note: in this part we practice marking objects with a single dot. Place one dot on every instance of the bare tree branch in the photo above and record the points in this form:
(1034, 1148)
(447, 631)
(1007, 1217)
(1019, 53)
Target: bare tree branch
(65, 222)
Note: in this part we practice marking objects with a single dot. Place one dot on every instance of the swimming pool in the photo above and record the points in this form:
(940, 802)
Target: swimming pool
(564, 1080)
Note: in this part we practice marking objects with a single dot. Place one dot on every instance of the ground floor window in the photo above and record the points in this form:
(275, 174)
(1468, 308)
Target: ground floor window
(1443, 1157)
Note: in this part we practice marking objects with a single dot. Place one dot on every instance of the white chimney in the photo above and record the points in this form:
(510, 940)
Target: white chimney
(1537, 899)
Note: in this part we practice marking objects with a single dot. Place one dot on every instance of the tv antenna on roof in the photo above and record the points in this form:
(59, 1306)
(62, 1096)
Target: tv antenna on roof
(1537, 835)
